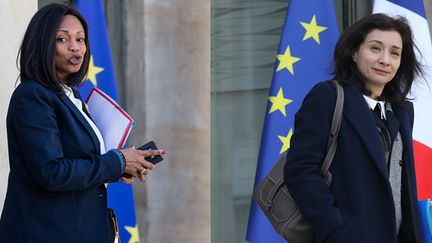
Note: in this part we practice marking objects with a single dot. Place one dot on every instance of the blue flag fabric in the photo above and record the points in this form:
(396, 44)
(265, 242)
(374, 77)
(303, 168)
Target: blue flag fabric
(101, 75)
(304, 58)
(426, 218)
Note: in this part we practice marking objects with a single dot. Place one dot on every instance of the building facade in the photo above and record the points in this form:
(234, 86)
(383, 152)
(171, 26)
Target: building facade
(195, 76)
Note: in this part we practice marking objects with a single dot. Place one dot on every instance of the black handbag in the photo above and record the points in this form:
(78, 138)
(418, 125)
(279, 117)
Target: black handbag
(273, 196)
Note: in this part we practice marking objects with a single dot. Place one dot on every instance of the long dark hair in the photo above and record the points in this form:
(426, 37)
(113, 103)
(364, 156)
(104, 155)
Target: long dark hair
(38, 49)
(346, 69)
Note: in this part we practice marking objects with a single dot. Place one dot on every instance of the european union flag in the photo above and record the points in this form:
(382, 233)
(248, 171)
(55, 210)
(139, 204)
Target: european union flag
(101, 75)
(304, 58)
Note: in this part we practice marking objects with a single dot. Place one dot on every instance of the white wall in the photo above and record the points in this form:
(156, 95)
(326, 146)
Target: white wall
(14, 16)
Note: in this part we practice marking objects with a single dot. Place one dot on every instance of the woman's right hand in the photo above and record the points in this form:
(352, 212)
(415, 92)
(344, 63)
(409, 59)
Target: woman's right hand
(136, 165)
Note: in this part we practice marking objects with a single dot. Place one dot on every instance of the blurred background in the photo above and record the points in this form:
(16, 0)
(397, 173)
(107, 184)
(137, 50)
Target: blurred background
(194, 74)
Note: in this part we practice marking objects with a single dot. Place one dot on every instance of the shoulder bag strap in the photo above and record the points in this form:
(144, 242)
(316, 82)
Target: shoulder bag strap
(334, 131)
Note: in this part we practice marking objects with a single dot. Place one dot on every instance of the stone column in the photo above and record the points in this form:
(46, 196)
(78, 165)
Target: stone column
(14, 15)
(166, 88)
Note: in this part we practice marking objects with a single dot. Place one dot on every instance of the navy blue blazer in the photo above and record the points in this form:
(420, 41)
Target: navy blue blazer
(56, 189)
(358, 206)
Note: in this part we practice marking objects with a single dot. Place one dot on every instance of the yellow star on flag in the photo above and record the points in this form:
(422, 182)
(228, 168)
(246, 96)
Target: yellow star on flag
(312, 30)
(279, 102)
(287, 61)
(285, 141)
(133, 231)
(93, 71)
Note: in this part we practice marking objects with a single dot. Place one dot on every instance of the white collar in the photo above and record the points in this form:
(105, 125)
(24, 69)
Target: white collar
(372, 103)
(68, 91)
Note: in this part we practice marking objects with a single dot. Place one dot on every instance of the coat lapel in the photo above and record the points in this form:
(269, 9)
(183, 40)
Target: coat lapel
(405, 114)
(357, 112)
(402, 115)
(84, 105)
(81, 119)
(393, 124)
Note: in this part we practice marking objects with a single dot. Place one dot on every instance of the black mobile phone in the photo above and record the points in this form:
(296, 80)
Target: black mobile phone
(152, 159)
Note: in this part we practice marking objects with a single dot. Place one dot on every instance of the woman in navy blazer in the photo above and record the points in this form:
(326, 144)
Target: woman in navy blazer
(372, 197)
(58, 163)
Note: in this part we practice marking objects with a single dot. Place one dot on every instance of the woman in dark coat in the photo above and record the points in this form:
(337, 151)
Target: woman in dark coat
(372, 197)
(58, 163)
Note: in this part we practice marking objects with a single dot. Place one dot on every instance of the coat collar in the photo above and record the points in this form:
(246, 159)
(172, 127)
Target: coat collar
(78, 115)
(84, 105)
(357, 112)
(402, 113)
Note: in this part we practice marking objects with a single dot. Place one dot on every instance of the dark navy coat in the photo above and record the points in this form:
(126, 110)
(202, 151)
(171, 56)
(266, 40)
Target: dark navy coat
(358, 207)
(56, 189)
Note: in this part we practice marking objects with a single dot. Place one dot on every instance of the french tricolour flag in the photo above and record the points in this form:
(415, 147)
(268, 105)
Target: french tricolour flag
(414, 11)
